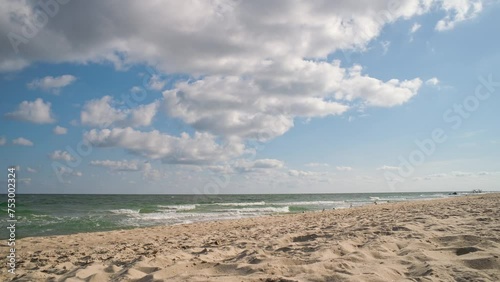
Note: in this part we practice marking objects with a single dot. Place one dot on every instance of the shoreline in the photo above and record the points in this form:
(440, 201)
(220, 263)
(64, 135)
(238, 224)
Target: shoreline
(278, 214)
(335, 244)
(241, 220)
(144, 210)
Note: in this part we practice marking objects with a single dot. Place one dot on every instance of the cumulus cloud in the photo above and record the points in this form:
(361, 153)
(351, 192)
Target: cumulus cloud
(296, 173)
(415, 27)
(62, 172)
(52, 84)
(458, 11)
(257, 165)
(36, 112)
(201, 148)
(264, 106)
(151, 174)
(31, 170)
(3, 140)
(13, 64)
(455, 174)
(343, 168)
(432, 82)
(123, 165)
(102, 113)
(156, 82)
(317, 165)
(388, 167)
(61, 155)
(59, 130)
(22, 142)
(207, 36)
(251, 78)
(310, 176)
(376, 92)
(435, 175)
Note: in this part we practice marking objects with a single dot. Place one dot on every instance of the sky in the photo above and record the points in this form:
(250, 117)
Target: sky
(212, 97)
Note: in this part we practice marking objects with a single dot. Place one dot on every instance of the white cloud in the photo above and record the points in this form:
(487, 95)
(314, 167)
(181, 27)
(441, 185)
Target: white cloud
(458, 11)
(63, 171)
(388, 167)
(3, 140)
(298, 173)
(148, 172)
(36, 112)
(204, 37)
(61, 155)
(202, 148)
(123, 165)
(143, 115)
(156, 83)
(137, 89)
(151, 174)
(22, 142)
(310, 176)
(458, 174)
(101, 113)
(432, 82)
(52, 84)
(461, 174)
(257, 165)
(415, 27)
(343, 168)
(436, 175)
(59, 130)
(246, 59)
(13, 64)
(375, 92)
(32, 170)
(317, 165)
(264, 106)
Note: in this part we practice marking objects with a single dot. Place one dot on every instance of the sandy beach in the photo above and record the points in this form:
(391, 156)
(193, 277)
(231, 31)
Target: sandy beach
(456, 239)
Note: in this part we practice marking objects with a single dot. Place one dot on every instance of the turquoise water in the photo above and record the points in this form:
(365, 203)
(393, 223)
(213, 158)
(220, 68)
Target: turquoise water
(41, 215)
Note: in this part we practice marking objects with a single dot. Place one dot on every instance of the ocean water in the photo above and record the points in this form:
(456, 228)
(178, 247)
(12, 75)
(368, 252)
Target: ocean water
(42, 215)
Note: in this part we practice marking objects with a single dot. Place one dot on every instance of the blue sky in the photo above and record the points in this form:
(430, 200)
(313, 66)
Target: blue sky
(229, 97)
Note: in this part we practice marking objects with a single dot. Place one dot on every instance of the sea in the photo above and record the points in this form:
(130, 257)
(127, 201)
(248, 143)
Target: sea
(45, 215)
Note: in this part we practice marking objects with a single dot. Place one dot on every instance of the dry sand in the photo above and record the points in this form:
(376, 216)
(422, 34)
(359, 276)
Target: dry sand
(440, 240)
